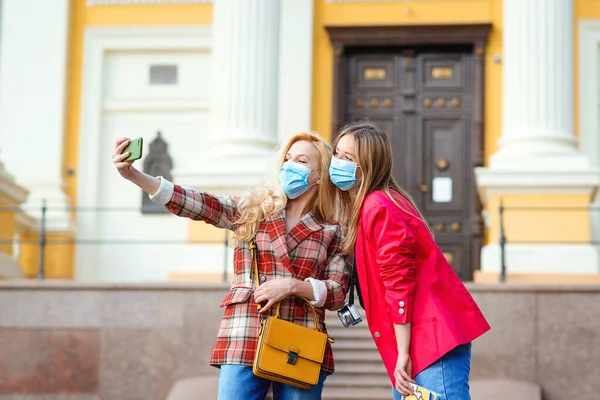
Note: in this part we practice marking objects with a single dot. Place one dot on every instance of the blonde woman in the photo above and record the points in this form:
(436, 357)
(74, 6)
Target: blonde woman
(300, 253)
(420, 314)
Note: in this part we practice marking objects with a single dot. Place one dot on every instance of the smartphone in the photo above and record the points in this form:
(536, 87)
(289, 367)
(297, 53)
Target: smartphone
(135, 147)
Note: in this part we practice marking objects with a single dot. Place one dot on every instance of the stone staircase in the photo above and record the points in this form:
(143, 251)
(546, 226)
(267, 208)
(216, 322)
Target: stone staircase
(360, 373)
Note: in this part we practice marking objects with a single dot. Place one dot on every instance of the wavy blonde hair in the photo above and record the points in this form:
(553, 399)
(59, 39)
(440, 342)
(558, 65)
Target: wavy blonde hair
(376, 161)
(263, 202)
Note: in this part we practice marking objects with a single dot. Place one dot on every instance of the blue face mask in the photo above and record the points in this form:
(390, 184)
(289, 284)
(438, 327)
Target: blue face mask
(343, 173)
(293, 178)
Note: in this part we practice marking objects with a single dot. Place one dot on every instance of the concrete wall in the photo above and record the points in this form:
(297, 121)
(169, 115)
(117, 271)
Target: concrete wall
(134, 341)
(105, 342)
(544, 334)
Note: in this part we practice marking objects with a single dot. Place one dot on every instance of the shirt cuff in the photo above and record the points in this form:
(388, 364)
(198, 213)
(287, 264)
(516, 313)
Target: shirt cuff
(319, 292)
(164, 193)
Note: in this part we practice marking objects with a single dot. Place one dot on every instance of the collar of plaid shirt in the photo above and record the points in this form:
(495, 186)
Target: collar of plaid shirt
(284, 242)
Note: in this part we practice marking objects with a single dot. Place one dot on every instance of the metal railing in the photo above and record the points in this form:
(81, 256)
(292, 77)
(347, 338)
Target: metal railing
(503, 240)
(43, 241)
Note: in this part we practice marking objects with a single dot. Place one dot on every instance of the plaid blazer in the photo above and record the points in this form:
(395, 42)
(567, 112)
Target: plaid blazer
(311, 249)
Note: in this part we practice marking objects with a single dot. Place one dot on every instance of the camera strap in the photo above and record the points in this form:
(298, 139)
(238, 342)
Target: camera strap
(354, 283)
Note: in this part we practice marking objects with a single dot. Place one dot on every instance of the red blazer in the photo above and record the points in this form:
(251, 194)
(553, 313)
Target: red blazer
(404, 277)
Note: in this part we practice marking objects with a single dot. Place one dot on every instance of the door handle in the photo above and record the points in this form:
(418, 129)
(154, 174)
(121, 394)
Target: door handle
(423, 188)
(442, 164)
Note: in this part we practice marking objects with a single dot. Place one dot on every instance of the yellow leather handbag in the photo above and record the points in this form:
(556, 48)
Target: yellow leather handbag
(287, 352)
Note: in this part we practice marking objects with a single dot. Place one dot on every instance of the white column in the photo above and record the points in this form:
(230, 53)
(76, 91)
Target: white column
(33, 57)
(538, 152)
(537, 124)
(295, 67)
(245, 94)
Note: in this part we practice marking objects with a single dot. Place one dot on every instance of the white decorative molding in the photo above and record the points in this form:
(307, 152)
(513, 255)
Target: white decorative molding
(491, 182)
(589, 104)
(589, 92)
(91, 3)
(542, 258)
(98, 42)
(403, 1)
(159, 105)
(11, 193)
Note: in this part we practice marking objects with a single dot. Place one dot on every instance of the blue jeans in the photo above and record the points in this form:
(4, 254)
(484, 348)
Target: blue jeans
(238, 382)
(448, 376)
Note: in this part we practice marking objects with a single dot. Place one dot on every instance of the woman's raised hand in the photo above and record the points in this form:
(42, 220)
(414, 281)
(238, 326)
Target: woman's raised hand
(125, 168)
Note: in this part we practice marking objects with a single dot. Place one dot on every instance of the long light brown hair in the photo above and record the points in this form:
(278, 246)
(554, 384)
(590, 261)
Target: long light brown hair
(264, 202)
(376, 162)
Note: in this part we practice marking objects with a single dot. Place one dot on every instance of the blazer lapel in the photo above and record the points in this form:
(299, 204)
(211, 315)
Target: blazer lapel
(276, 229)
(306, 227)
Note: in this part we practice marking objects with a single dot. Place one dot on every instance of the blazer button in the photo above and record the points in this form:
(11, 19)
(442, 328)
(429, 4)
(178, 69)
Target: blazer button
(401, 304)
(376, 334)
(263, 279)
(401, 311)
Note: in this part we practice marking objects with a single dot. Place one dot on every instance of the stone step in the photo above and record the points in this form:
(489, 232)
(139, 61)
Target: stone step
(342, 356)
(499, 389)
(349, 368)
(359, 381)
(350, 333)
(337, 393)
(334, 322)
(355, 345)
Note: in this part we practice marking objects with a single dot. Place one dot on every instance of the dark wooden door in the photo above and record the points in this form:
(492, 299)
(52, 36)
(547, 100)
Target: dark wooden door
(422, 98)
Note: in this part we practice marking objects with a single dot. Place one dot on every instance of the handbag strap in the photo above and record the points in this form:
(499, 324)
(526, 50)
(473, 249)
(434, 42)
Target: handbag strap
(254, 250)
(314, 312)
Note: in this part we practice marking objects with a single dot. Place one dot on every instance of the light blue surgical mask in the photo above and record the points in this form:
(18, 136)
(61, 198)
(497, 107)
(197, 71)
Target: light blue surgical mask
(343, 173)
(293, 178)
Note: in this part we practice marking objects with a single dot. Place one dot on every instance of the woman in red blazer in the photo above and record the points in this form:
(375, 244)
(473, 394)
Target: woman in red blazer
(420, 314)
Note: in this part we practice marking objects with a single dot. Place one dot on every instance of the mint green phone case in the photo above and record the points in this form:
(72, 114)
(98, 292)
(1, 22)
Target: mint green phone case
(135, 147)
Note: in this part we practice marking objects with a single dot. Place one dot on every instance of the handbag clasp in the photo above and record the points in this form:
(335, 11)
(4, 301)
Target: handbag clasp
(292, 357)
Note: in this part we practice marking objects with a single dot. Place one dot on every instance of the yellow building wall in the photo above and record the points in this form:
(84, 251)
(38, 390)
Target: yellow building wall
(7, 227)
(58, 256)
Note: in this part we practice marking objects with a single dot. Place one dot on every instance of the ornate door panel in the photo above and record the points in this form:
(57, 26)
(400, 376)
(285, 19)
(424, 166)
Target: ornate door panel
(422, 99)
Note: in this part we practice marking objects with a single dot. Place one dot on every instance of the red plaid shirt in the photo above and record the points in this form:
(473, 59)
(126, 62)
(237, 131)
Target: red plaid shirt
(311, 249)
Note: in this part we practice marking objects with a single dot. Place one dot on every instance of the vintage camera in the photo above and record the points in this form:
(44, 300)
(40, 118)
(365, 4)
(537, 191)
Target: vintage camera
(349, 315)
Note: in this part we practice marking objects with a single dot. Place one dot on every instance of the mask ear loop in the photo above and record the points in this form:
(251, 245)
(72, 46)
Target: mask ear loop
(318, 181)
